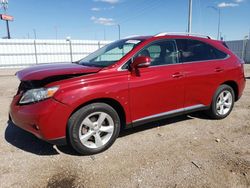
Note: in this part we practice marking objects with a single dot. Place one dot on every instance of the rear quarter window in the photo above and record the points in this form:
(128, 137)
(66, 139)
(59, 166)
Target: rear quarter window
(194, 50)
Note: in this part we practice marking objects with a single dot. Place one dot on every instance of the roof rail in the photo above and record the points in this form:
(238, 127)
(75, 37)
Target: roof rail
(131, 36)
(181, 33)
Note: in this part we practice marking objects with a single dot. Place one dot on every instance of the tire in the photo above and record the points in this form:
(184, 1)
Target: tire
(93, 128)
(222, 103)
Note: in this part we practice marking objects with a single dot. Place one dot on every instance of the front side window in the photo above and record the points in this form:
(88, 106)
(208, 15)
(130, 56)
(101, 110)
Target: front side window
(154, 51)
(194, 50)
(110, 54)
(161, 53)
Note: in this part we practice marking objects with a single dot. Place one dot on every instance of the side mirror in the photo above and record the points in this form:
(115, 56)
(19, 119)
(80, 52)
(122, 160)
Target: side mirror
(141, 62)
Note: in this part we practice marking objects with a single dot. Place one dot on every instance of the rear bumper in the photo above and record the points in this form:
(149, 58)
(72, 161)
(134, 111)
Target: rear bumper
(46, 120)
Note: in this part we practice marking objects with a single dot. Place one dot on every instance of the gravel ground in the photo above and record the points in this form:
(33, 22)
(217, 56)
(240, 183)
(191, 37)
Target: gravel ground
(187, 151)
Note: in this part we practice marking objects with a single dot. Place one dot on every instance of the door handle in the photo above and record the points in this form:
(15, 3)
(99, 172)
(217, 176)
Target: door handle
(177, 75)
(219, 69)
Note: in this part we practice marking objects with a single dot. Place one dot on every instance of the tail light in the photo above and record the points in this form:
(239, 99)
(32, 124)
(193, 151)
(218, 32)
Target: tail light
(242, 62)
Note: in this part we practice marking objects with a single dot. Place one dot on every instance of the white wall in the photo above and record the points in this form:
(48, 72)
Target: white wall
(15, 53)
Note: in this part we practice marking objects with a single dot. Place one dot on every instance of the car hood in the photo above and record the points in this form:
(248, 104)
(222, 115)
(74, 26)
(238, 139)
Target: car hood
(40, 72)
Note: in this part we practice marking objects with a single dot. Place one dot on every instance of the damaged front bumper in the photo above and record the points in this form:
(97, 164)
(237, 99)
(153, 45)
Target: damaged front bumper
(46, 120)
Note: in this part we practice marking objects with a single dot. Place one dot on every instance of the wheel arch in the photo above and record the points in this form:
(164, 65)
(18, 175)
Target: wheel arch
(234, 86)
(111, 102)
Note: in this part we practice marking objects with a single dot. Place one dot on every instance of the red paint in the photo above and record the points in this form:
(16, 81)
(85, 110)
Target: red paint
(141, 62)
(153, 91)
(40, 72)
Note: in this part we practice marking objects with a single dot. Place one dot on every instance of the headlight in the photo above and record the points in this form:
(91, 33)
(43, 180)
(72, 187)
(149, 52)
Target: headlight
(35, 95)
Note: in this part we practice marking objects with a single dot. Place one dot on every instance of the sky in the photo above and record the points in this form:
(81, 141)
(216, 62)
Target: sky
(99, 19)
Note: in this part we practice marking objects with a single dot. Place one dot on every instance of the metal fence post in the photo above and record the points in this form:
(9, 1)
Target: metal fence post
(70, 51)
(35, 52)
(68, 39)
(244, 48)
(99, 46)
(247, 55)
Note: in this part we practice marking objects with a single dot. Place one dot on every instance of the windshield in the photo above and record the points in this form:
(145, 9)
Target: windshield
(110, 54)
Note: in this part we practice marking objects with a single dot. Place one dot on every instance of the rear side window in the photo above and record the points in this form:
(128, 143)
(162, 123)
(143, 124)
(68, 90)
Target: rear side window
(194, 50)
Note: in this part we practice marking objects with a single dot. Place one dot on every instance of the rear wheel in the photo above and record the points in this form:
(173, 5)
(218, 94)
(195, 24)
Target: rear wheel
(93, 128)
(223, 102)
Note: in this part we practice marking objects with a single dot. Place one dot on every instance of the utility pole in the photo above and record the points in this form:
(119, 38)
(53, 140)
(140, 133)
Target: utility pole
(119, 31)
(190, 16)
(219, 20)
(56, 32)
(8, 29)
(104, 34)
(34, 31)
(218, 9)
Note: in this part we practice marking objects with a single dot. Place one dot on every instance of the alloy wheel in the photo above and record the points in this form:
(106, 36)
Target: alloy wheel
(224, 102)
(96, 130)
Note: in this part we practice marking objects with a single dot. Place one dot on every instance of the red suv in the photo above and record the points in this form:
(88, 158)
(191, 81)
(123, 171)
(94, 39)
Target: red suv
(124, 84)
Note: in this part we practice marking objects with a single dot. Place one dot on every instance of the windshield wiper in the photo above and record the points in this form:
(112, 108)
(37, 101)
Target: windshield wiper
(91, 65)
(76, 62)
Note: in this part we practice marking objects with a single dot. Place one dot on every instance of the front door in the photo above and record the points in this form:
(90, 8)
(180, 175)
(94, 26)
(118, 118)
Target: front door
(158, 90)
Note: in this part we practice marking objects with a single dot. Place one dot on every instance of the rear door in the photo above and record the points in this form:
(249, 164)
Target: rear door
(203, 66)
(157, 90)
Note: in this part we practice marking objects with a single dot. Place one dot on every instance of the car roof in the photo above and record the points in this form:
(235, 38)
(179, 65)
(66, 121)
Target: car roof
(199, 37)
(138, 37)
(203, 38)
(166, 37)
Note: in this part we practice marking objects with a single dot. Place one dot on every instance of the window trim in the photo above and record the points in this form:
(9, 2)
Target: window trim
(205, 61)
(186, 62)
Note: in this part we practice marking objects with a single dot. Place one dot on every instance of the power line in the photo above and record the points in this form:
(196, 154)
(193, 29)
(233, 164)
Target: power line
(151, 5)
(219, 20)
(198, 4)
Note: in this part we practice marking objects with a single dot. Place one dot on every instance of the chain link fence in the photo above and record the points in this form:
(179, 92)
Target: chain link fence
(22, 53)
(241, 48)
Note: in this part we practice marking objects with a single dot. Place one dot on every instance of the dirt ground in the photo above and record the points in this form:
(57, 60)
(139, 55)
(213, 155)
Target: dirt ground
(187, 151)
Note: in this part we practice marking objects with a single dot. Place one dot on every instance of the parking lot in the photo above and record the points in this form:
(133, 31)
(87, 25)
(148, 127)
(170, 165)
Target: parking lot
(186, 151)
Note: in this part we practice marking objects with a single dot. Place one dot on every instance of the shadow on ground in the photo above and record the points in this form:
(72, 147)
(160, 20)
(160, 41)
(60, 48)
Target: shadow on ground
(154, 124)
(29, 143)
(248, 78)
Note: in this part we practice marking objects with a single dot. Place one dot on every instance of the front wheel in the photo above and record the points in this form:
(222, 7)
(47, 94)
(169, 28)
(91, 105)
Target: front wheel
(93, 128)
(223, 102)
